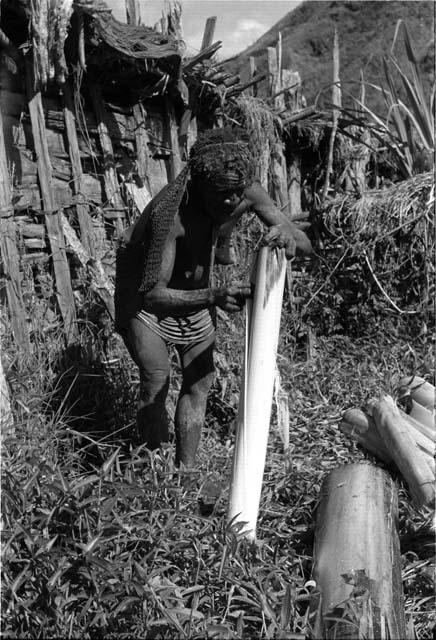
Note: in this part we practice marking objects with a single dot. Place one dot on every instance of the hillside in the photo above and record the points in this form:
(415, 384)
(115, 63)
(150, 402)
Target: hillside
(366, 31)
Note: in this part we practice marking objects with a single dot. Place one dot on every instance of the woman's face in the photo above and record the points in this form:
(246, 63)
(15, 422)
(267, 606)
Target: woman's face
(220, 205)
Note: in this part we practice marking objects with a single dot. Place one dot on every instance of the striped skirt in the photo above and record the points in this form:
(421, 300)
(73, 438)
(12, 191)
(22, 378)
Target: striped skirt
(193, 327)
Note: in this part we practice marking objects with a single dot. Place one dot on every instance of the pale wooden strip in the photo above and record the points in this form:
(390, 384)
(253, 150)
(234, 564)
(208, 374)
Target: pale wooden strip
(64, 291)
(9, 252)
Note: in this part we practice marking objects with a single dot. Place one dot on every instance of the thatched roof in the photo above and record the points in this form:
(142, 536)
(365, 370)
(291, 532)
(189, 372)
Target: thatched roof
(67, 31)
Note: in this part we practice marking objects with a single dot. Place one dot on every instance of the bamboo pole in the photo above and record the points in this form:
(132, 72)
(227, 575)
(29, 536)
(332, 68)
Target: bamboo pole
(83, 215)
(64, 290)
(9, 253)
(357, 561)
(395, 433)
(261, 339)
(112, 187)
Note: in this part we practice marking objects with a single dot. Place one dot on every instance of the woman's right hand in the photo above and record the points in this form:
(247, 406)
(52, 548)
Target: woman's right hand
(232, 298)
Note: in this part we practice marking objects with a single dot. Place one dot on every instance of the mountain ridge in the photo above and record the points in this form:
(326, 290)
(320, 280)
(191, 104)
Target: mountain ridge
(366, 32)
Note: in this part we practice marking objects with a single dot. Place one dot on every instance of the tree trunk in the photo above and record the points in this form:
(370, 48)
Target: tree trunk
(357, 562)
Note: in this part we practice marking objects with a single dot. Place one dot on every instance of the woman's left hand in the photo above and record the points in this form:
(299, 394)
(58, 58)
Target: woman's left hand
(289, 236)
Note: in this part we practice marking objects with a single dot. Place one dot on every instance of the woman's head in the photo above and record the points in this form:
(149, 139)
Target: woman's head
(221, 161)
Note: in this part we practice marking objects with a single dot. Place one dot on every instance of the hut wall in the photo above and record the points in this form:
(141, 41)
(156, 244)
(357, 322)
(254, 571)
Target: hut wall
(28, 223)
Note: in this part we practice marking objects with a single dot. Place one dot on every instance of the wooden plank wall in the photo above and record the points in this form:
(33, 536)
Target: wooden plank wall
(64, 290)
(8, 246)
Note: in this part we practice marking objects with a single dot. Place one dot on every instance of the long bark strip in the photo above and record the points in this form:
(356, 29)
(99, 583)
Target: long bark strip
(9, 253)
(254, 414)
(357, 560)
(83, 215)
(64, 290)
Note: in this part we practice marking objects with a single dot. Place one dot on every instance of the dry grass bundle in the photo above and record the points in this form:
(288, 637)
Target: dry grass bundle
(378, 261)
(385, 211)
(262, 126)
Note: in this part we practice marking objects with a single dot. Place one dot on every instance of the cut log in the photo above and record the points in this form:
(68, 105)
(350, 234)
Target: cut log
(419, 426)
(395, 433)
(420, 413)
(362, 428)
(420, 390)
(261, 339)
(357, 561)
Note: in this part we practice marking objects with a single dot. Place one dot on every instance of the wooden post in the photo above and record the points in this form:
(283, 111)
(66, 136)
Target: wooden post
(209, 31)
(133, 12)
(141, 143)
(357, 561)
(64, 291)
(83, 216)
(253, 72)
(279, 100)
(175, 162)
(272, 69)
(9, 253)
(112, 187)
(337, 101)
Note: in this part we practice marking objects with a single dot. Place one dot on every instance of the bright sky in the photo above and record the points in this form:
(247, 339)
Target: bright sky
(239, 22)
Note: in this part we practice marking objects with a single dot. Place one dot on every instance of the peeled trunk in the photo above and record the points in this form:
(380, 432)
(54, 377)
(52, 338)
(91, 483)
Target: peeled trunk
(262, 333)
(357, 561)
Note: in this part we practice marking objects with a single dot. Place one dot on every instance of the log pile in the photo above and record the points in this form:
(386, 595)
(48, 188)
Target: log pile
(405, 439)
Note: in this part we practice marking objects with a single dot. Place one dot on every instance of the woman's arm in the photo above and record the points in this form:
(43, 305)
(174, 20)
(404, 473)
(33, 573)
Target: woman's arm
(283, 232)
(163, 300)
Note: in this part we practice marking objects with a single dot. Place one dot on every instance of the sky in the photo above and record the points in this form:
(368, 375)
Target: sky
(239, 22)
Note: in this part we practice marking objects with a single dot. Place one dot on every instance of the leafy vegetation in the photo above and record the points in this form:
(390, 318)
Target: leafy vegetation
(408, 128)
(101, 540)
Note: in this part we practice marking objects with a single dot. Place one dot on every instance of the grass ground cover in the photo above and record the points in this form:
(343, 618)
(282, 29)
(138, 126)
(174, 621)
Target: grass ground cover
(104, 541)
